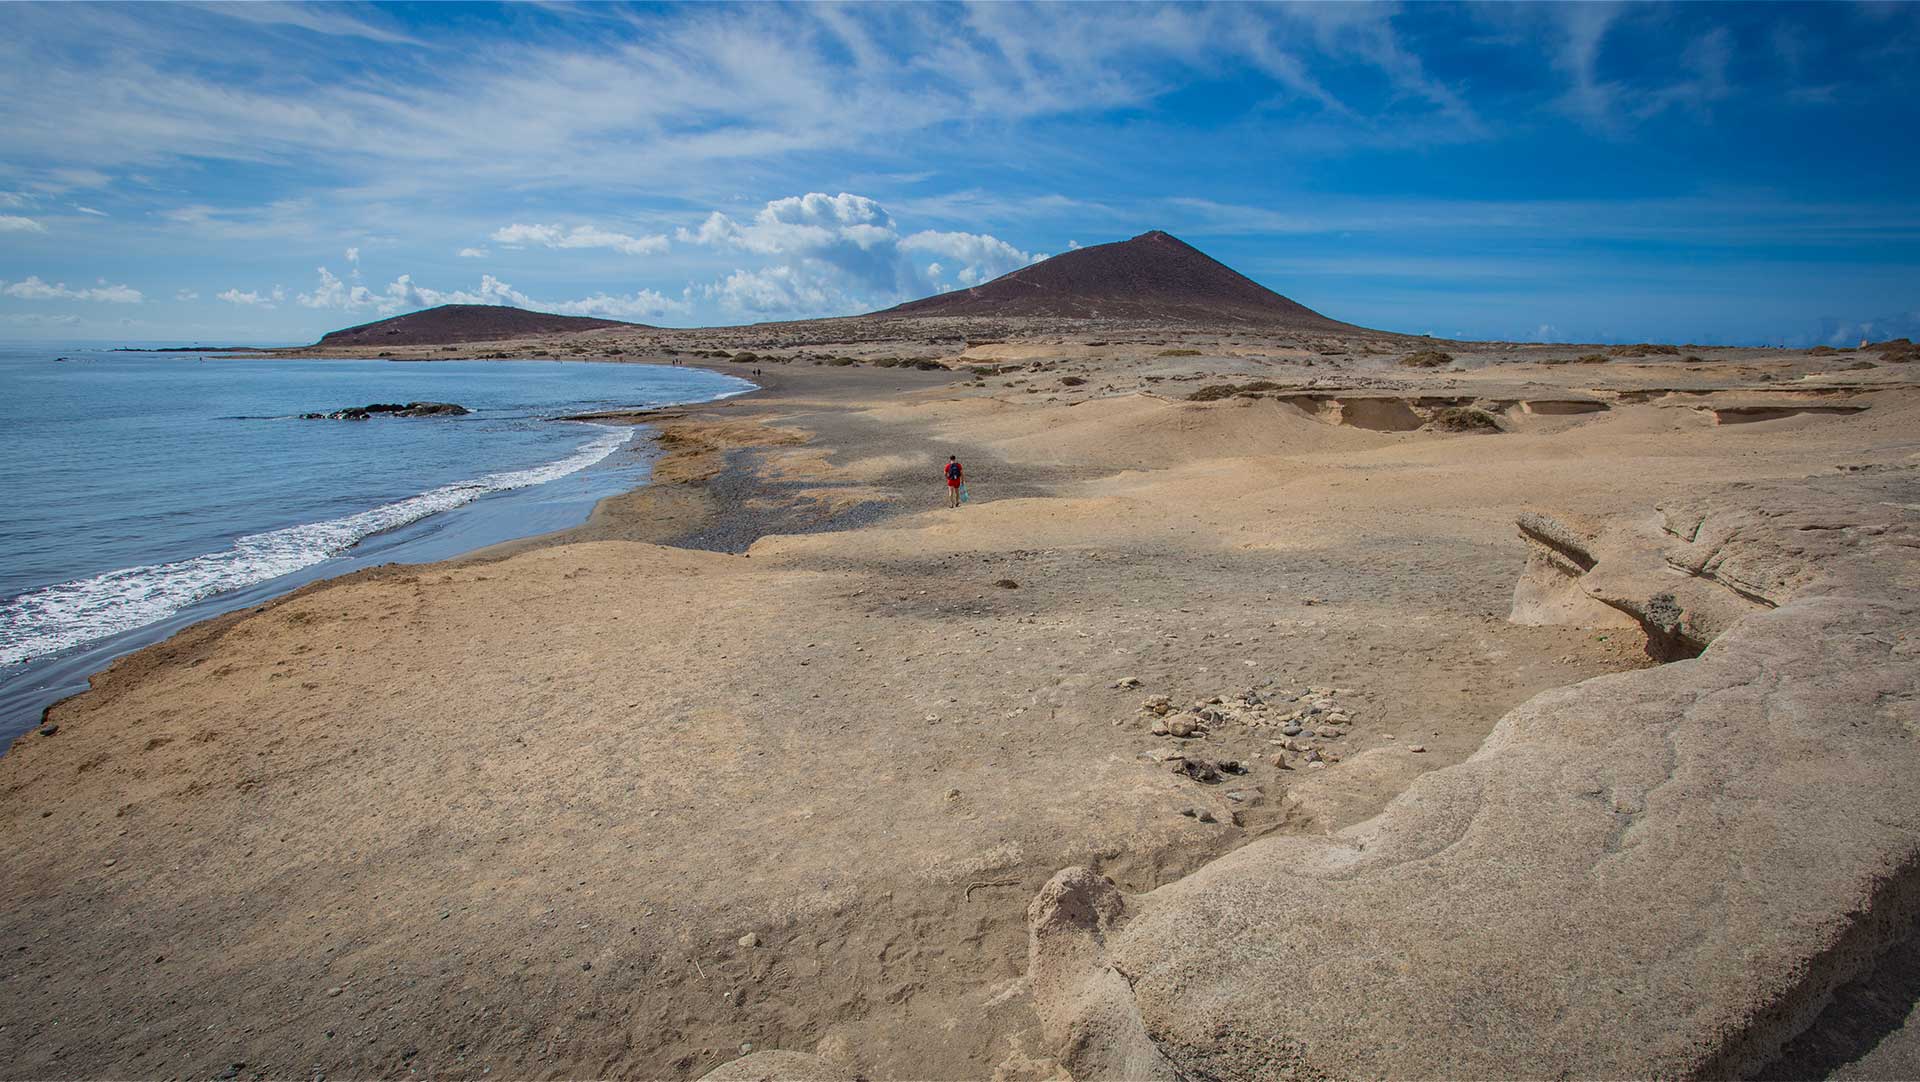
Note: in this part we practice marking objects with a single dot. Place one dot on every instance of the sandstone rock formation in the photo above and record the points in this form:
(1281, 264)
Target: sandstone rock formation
(1651, 874)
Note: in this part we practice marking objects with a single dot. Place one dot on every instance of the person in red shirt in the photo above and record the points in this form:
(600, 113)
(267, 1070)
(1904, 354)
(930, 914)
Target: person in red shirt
(955, 476)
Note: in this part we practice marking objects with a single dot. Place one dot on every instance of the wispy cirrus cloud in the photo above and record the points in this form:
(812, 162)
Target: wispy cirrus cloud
(579, 236)
(34, 289)
(14, 223)
(403, 293)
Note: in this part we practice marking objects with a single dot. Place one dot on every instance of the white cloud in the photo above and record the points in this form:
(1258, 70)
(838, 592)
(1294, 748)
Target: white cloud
(580, 236)
(403, 293)
(234, 296)
(982, 257)
(473, 253)
(15, 199)
(32, 288)
(775, 290)
(13, 223)
(353, 255)
(841, 253)
(186, 295)
(90, 210)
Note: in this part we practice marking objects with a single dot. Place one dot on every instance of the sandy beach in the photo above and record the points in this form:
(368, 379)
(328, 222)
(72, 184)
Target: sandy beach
(774, 752)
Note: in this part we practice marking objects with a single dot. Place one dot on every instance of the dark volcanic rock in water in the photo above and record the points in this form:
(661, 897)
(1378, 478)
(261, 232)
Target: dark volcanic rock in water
(395, 409)
(1155, 277)
(451, 323)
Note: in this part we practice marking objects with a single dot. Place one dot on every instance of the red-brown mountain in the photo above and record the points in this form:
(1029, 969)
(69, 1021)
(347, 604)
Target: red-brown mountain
(1154, 277)
(452, 323)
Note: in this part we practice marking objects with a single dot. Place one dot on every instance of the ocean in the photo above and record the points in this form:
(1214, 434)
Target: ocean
(145, 491)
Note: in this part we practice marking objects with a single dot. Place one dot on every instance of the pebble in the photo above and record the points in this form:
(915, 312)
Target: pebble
(1128, 682)
(749, 940)
(1291, 730)
(49, 730)
(334, 991)
(1416, 748)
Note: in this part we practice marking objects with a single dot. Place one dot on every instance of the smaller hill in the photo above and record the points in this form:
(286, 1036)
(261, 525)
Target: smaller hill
(451, 323)
(1155, 277)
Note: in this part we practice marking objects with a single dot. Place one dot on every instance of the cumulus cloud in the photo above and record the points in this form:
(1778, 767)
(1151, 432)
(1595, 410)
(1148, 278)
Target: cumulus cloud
(353, 256)
(579, 236)
(186, 295)
(34, 289)
(841, 253)
(252, 298)
(473, 253)
(13, 223)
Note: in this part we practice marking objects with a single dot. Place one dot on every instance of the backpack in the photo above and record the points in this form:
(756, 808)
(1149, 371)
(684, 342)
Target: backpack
(953, 471)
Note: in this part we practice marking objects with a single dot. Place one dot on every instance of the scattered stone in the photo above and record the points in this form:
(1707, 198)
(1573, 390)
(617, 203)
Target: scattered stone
(1127, 682)
(334, 991)
(1185, 727)
(1416, 748)
(1158, 704)
(1279, 761)
(749, 940)
(1006, 584)
(1205, 816)
(49, 730)
(1160, 727)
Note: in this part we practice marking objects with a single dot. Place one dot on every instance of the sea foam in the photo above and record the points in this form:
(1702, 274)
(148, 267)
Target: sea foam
(53, 618)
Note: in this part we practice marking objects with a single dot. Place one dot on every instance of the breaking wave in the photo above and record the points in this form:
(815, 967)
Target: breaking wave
(54, 618)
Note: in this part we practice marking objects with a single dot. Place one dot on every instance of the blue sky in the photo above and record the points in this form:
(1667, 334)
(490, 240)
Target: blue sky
(1712, 173)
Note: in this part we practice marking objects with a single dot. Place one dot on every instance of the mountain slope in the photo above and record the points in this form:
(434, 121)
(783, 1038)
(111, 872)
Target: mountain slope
(1153, 277)
(451, 323)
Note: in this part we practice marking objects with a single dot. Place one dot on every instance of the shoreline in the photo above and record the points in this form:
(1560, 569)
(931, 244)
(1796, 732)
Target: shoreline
(47, 682)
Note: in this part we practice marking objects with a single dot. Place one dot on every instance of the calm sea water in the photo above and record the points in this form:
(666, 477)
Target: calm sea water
(143, 491)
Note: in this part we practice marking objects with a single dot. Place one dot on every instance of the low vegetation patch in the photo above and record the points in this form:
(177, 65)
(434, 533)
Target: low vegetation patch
(1180, 353)
(1426, 358)
(1071, 381)
(1897, 351)
(1217, 391)
(1645, 349)
(745, 358)
(1463, 419)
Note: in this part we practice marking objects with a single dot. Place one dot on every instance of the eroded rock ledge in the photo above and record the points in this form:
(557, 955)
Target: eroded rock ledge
(1662, 873)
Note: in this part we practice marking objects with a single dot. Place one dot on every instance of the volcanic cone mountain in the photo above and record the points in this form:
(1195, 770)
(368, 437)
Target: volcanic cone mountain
(1155, 277)
(450, 323)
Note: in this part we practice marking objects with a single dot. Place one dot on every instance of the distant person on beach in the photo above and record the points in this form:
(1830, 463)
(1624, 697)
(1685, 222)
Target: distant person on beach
(954, 478)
